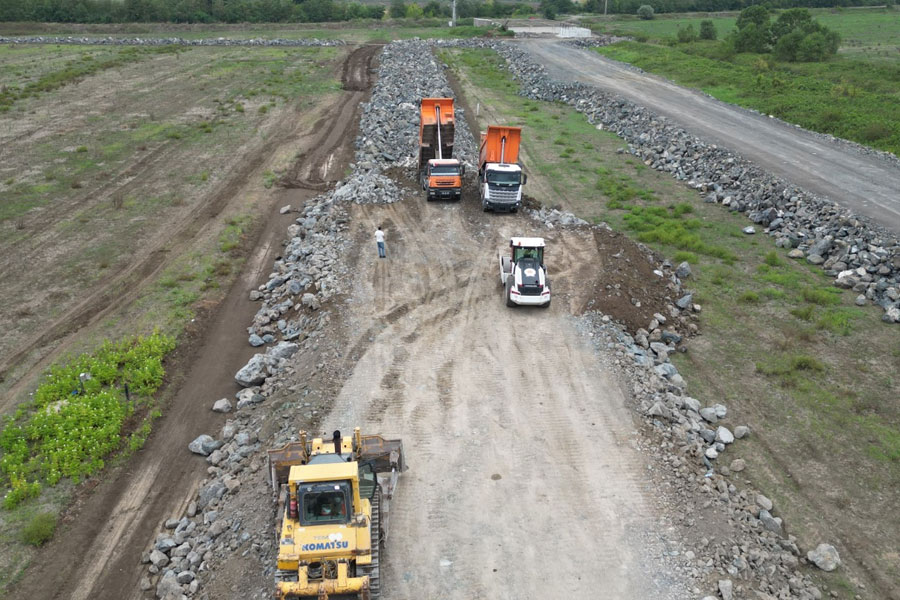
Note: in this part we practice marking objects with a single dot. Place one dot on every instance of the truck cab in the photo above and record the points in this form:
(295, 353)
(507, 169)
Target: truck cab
(501, 187)
(442, 179)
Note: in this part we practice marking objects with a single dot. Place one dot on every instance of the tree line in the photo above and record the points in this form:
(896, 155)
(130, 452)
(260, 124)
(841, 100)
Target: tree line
(316, 11)
(630, 7)
(242, 11)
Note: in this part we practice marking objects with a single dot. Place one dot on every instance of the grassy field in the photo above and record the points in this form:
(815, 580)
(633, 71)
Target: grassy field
(852, 99)
(826, 417)
(867, 32)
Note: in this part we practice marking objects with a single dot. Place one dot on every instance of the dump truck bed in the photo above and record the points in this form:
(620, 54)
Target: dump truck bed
(435, 113)
(500, 145)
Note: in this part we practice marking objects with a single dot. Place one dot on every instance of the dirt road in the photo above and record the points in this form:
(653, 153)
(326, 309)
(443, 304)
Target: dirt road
(522, 481)
(97, 552)
(867, 185)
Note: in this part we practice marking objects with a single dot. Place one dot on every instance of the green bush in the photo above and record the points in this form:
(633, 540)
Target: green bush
(708, 30)
(646, 12)
(687, 34)
(39, 529)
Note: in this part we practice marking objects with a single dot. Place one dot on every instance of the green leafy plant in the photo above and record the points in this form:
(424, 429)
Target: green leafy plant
(77, 415)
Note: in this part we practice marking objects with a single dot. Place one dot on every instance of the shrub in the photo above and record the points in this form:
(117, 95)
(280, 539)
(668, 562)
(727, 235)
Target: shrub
(708, 30)
(414, 11)
(813, 48)
(749, 297)
(646, 12)
(39, 529)
(687, 34)
(81, 149)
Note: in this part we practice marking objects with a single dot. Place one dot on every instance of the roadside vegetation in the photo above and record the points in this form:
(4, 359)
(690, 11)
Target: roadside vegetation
(825, 413)
(785, 67)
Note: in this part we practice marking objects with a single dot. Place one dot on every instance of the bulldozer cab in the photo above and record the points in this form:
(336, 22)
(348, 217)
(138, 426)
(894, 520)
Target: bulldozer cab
(326, 503)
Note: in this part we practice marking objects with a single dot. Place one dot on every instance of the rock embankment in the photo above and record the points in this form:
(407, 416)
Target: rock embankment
(858, 254)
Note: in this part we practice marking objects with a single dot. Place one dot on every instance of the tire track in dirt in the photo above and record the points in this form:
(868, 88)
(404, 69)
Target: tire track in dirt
(97, 552)
(516, 439)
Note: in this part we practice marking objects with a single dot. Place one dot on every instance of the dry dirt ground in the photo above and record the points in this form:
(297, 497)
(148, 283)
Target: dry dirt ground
(865, 184)
(97, 550)
(73, 262)
(524, 475)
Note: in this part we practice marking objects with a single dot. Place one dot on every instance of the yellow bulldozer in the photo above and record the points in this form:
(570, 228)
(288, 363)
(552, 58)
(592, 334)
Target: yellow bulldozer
(333, 502)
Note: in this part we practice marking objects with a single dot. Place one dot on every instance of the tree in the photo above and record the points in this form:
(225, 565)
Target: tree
(645, 11)
(414, 11)
(397, 10)
(756, 14)
(708, 30)
(432, 9)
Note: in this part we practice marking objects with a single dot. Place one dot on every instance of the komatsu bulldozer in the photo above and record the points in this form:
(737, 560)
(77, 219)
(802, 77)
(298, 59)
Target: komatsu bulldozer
(333, 502)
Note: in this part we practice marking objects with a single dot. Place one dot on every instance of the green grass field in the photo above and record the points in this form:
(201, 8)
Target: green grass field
(870, 32)
(788, 340)
(852, 98)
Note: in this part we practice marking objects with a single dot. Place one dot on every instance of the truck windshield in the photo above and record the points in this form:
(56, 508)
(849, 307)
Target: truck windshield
(503, 178)
(324, 503)
(445, 170)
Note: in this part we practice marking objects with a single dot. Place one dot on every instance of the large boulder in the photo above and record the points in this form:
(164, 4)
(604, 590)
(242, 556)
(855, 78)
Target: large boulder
(825, 556)
(204, 445)
(254, 372)
(283, 350)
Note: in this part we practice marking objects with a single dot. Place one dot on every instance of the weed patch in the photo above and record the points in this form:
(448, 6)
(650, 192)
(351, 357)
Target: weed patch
(76, 416)
(39, 529)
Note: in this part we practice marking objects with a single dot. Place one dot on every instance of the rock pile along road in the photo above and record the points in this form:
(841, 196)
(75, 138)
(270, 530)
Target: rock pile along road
(866, 184)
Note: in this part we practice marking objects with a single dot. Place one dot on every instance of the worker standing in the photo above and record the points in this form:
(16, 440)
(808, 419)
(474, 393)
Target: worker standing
(379, 239)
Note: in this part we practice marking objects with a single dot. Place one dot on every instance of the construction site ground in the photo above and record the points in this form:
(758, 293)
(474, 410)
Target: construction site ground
(526, 469)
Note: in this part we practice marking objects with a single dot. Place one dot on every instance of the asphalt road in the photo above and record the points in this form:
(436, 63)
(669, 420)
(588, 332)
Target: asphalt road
(867, 185)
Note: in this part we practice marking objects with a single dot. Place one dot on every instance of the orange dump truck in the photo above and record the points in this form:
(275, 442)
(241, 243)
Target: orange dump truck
(500, 177)
(439, 173)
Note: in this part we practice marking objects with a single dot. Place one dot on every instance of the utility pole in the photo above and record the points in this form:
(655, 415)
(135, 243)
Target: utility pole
(605, 4)
(453, 18)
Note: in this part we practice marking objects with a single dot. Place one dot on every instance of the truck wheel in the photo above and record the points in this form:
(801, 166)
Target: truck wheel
(547, 305)
(508, 291)
(484, 207)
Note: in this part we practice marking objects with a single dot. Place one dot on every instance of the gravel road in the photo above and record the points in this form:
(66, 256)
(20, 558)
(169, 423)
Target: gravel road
(868, 185)
(523, 480)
